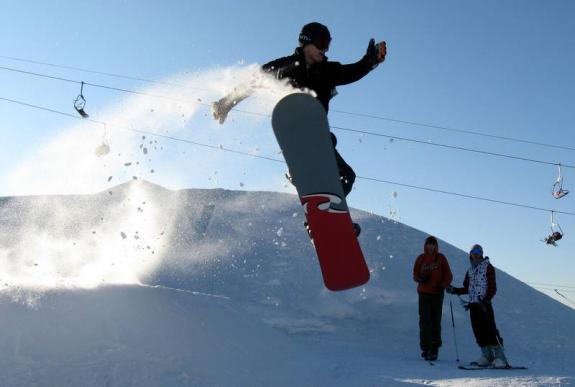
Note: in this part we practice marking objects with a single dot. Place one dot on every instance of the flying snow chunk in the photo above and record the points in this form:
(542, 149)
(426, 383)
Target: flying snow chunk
(102, 150)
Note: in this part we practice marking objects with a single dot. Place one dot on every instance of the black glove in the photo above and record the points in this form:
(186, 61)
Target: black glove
(375, 53)
(466, 305)
(451, 290)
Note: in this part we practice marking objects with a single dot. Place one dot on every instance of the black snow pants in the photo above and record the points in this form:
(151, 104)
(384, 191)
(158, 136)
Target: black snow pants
(430, 313)
(483, 324)
(346, 173)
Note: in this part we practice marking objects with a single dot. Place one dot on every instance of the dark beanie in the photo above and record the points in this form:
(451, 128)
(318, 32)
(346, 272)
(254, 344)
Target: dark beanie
(313, 32)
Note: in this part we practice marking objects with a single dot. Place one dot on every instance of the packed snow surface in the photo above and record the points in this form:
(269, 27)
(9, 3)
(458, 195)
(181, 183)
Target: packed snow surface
(142, 286)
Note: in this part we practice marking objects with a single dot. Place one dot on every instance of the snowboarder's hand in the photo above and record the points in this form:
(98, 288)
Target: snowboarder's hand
(375, 53)
(451, 290)
(220, 110)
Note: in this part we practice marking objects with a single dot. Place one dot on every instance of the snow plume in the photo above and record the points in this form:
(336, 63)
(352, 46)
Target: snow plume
(53, 243)
(81, 241)
(89, 157)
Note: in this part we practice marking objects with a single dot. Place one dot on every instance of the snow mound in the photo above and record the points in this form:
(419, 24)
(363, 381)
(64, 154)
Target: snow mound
(231, 294)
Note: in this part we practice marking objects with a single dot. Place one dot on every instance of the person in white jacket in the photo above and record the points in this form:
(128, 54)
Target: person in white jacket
(481, 286)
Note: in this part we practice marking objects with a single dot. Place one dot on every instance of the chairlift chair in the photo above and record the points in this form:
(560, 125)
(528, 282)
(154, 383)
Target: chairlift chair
(557, 190)
(80, 103)
(556, 233)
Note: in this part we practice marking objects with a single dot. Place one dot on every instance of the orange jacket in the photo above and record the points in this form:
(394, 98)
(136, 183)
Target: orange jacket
(432, 273)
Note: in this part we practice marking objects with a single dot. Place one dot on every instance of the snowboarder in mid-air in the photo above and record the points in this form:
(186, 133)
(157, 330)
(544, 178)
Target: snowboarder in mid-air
(309, 68)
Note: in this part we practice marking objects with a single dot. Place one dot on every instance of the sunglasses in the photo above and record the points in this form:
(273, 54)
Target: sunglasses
(476, 252)
(322, 43)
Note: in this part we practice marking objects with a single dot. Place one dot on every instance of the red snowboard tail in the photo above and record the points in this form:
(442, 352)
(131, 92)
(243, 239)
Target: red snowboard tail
(341, 259)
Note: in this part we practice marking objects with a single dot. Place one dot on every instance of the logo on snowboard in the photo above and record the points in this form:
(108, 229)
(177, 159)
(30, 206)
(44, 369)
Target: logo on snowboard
(322, 202)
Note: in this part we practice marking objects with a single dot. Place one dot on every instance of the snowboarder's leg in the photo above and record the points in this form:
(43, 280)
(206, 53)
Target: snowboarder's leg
(346, 175)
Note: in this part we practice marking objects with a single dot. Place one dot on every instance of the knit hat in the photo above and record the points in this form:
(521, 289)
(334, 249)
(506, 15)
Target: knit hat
(315, 33)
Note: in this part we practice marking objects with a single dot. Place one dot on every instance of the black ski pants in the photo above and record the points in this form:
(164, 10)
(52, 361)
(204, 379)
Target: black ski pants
(483, 324)
(346, 173)
(430, 313)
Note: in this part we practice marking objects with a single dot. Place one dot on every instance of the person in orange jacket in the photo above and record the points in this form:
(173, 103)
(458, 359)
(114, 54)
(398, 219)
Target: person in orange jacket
(433, 275)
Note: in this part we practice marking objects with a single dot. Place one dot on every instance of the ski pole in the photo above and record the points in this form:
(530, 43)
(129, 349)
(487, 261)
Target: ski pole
(454, 335)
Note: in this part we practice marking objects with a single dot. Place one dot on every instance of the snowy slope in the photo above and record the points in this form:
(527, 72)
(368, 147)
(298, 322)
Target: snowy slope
(140, 285)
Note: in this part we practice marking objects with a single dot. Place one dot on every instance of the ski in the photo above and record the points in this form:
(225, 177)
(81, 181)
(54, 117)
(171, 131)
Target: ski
(475, 367)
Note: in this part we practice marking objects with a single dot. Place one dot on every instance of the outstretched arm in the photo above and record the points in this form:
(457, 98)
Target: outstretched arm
(222, 107)
(349, 73)
(464, 290)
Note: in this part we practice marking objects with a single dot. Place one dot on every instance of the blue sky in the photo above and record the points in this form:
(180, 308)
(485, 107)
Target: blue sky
(502, 68)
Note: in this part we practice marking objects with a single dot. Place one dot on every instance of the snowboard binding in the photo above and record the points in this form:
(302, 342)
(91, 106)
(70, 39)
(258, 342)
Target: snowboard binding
(356, 229)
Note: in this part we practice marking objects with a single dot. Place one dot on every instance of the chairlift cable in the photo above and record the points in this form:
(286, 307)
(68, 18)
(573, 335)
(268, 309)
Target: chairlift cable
(372, 116)
(446, 128)
(173, 138)
(454, 147)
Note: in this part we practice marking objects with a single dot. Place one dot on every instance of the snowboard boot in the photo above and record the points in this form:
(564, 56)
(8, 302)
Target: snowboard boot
(499, 361)
(356, 229)
(486, 356)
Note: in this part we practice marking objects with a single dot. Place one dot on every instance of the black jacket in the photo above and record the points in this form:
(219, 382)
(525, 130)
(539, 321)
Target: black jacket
(321, 77)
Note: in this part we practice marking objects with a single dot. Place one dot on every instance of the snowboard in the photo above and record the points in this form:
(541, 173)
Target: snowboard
(300, 125)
